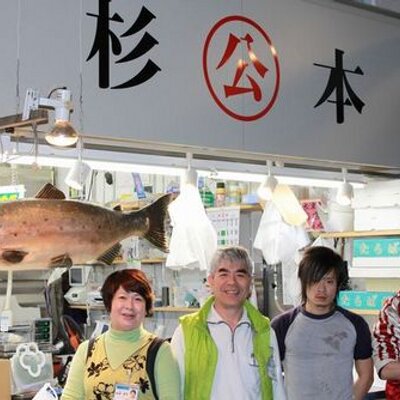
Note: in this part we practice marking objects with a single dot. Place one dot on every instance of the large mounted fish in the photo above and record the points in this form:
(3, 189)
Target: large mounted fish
(49, 231)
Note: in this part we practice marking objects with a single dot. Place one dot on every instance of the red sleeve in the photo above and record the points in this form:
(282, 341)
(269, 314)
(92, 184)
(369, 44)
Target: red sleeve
(386, 333)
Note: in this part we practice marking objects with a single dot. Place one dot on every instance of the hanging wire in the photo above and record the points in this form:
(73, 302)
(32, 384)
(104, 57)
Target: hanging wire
(17, 67)
(55, 89)
(81, 114)
(35, 164)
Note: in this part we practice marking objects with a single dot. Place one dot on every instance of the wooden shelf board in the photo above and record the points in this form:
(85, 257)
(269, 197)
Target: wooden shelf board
(156, 309)
(364, 312)
(355, 234)
(243, 207)
(158, 260)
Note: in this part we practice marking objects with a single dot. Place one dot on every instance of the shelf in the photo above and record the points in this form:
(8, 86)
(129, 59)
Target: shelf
(99, 307)
(363, 312)
(250, 207)
(243, 207)
(155, 309)
(158, 260)
(356, 234)
(374, 272)
(176, 309)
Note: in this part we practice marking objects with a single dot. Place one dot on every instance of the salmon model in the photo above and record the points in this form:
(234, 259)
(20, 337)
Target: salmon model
(49, 231)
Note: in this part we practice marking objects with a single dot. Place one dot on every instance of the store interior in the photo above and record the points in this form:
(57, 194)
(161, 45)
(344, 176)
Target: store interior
(64, 305)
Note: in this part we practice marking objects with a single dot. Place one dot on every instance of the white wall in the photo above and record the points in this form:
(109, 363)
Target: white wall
(45, 44)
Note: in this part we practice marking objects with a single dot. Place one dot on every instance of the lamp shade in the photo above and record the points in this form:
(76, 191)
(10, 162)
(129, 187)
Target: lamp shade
(77, 175)
(266, 189)
(345, 194)
(62, 134)
(190, 177)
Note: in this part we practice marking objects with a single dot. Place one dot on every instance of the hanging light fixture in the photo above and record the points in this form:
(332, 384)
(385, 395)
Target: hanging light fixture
(345, 192)
(266, 188)
(79, 171)
(190, 177)
(62, 133)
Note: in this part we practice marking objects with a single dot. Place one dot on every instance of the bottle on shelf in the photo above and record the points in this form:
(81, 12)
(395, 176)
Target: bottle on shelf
(207, 196)
(234, 197)
(220, 194)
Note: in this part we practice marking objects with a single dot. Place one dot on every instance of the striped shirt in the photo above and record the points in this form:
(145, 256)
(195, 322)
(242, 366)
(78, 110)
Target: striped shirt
(386, 342)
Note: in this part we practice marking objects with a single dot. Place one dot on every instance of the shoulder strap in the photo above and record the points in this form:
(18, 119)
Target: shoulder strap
(90, 347)
(151, 359)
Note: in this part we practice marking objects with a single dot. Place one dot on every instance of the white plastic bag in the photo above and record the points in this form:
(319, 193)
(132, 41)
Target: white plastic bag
(31, 368)
(277, 240)
(193, 240)
(46, 393)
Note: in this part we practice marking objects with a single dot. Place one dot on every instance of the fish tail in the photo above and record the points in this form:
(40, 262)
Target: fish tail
(157, 213)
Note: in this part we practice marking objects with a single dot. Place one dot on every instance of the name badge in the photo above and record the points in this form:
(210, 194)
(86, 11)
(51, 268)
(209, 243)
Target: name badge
(126, 392)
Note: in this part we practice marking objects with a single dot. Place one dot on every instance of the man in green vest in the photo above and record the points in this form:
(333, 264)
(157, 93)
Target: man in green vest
(227, 350)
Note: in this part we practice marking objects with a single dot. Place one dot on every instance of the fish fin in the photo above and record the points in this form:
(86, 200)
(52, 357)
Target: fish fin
(64, 260)
(110, 255)
(13, 256)
(49, 191)
(117, 207)
(157, 213)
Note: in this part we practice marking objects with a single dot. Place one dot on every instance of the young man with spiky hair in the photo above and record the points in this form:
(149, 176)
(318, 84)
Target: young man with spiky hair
(320, 342)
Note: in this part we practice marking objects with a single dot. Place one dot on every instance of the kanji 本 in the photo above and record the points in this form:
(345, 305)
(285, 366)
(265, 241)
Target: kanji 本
(106, 40)
(339, 84)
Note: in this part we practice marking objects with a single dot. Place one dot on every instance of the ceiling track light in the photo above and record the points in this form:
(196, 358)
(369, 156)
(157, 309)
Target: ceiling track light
(62, 133)
(345, 192)
(190, 177)
(266, 189)
(79, 172)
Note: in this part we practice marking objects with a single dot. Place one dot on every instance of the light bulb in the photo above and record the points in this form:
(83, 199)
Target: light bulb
(62, 134)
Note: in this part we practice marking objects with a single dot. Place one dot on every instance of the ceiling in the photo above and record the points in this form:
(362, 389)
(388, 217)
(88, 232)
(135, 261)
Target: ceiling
(386, 7)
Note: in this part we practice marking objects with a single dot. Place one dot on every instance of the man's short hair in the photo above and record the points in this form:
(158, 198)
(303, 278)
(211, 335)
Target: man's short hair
(316, 263)
(234, 254)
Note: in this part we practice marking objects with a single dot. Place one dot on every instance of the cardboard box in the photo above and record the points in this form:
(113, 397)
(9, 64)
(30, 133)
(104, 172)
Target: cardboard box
(378, 194)
(366, 219)
(5, 379)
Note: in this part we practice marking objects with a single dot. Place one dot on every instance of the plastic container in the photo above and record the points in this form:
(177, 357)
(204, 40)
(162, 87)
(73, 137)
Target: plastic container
(207, 196)
(233, 194)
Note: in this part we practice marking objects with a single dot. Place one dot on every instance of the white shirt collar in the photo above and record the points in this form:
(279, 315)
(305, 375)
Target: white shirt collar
(214, 317)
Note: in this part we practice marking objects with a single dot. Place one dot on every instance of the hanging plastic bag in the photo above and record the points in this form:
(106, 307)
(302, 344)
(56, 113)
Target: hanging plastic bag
(277, 240)
(31, 368)
(193, 240)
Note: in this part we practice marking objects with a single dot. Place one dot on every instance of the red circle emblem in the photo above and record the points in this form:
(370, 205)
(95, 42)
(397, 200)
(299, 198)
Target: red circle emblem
(241, 68)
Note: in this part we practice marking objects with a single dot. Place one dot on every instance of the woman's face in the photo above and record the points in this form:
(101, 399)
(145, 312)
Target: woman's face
(128, 310)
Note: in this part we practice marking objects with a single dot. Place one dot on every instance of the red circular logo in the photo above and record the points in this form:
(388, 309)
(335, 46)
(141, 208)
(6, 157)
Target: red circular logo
(241, 68)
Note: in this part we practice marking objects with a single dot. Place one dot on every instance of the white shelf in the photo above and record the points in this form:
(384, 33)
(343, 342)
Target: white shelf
(370, 272)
